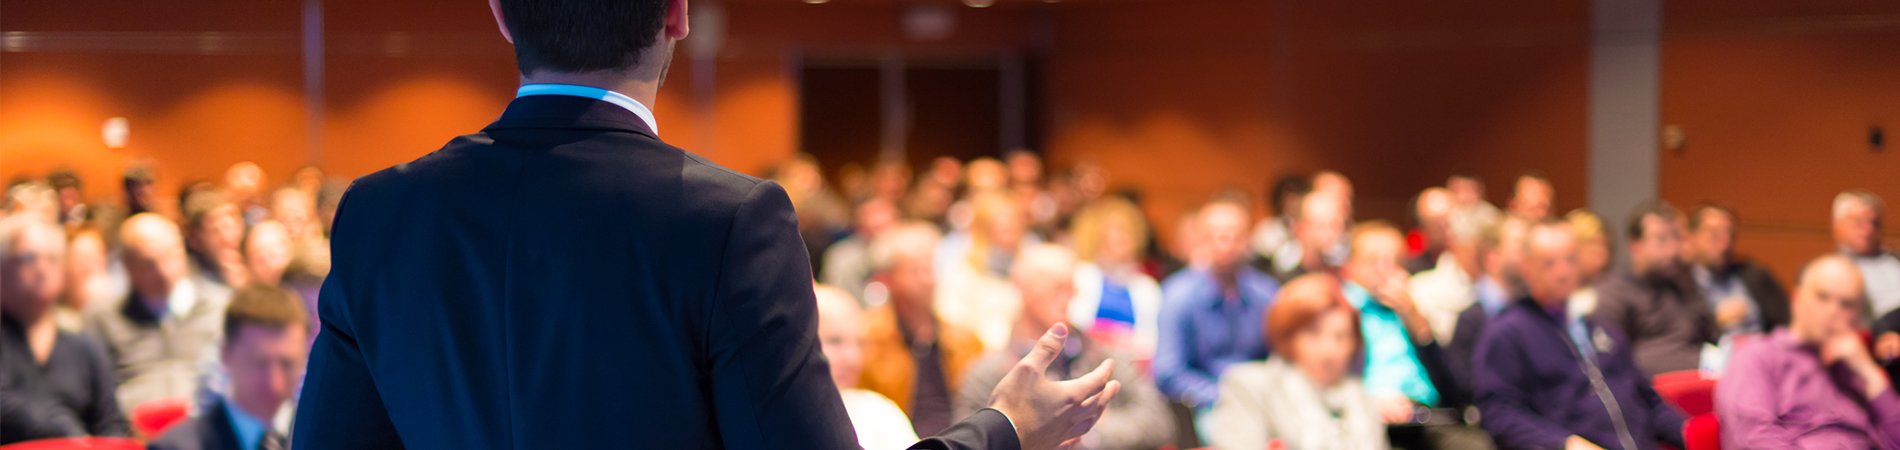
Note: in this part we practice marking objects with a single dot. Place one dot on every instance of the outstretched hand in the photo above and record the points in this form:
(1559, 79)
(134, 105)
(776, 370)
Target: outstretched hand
(1052, 414)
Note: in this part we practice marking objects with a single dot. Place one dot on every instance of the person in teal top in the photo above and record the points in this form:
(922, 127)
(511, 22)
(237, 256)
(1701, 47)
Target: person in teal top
(1394, 328)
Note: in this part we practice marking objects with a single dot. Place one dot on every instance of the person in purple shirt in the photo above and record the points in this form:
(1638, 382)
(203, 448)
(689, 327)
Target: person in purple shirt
(1547, 379)
(1210, 315)
(1811, 384)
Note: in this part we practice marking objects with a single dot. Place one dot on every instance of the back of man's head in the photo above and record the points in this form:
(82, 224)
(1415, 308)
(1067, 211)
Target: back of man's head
(573, 36)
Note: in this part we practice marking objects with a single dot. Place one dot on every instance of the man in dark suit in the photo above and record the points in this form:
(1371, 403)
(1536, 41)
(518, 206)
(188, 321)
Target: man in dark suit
(564, 279)
(265, 333)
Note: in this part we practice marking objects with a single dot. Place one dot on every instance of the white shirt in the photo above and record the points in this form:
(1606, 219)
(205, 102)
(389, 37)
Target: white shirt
(1882, 275)
(878, 421)
(634, 106)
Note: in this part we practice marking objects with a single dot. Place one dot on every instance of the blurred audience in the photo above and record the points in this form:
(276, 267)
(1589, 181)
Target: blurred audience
(1858, 216)
(244, 187)
(267, 252)
(70, 195)
(1394, 328)
(1304, 397)
(1431, 211)
(1812, 383)
(881, 425)
(1500, 250)
(1446, 290)
(1273, 233)
(1210, 314)
(910, 356)
(214, 235)
(53, 383)
(161, 336)
(1651, 301)
(1467, 197)
(140, 182)
(1115, 303)
(1593, 259)
(88, 280)
(263, 352)
(1321, 224)
(1550, 380)
(973, 266)
(1137, 418)
(1746, 297)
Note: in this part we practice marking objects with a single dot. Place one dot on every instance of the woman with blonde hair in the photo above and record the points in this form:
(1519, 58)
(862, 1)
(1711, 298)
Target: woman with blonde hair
(1115, 303)
(1593, 259)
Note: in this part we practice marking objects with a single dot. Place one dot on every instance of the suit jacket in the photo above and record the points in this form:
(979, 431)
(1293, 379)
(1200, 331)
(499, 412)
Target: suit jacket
(158, 356)
(564, 279)
(208, 431)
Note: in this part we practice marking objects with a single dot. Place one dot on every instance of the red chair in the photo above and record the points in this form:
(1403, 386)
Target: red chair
(153, 417)
(1676, 377)
(1702, 432)
(1692, 398)
(85, 443)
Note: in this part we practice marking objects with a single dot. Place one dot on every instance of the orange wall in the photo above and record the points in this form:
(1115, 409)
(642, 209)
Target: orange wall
(1185, 99)
(1776, 99)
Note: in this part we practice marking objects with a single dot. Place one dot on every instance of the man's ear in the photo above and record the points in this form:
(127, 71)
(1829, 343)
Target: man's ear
(675, 19)
(495, 6)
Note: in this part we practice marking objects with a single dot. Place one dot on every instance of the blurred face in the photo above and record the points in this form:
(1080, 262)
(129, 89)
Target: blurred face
(1025, 169)
(1325, 347)
(841, 332)
(296, 210)
(243, 181)
(1550, 264)
(32, 274)
(1434, 212)
(1007, 226)
(1657, 253)
(221, 230)
(987, 175)
(1593, 256)
(154, 257)
(913, 280)
(264, 364)
(1829, 301)
(1857, 229)
(85, 261)
(1531, 200)
(1465, 191)
(876, 216)
(1224, 233)
(1046, 293)
(1714, 241)
(1119, 241)
(1375, 259)
(1321, 224)
(268, 252)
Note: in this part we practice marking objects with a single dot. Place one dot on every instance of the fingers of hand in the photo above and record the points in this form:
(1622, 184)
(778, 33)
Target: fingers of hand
(1046, 349)
(1090, 384)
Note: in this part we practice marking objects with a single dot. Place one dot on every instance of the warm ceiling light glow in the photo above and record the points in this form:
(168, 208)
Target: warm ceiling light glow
(979, 3)
(816, 2)
(115, 131)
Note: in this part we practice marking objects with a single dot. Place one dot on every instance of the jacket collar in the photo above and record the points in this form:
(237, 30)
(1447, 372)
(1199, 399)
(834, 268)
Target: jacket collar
(568, 112)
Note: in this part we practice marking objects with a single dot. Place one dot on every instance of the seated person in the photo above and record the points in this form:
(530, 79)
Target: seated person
(1812, 384)
(264, 349)
(1305, 395)
(1499, 247)
(880, 424)
(53, 383)
(1547, 379)
(912, 356)
(1210, 314)
(161, 337)
(1393, 326)
(1137, 418)
(1653, 301)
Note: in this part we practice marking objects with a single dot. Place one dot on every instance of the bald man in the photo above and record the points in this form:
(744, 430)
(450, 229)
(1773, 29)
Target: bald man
(162, 335)
(53, 383)
(1138, 418)
(1432, 213)
(1811, 384)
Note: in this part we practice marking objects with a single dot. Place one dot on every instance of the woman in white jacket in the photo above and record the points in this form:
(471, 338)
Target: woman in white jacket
(1115, 302)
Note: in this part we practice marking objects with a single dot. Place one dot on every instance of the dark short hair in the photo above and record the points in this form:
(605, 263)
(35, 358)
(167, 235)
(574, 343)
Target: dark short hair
(264, 306)
(1291, 184)
(64, 179)
(1695, 214)
(581, 35)
(1660, 209)
(199, 202)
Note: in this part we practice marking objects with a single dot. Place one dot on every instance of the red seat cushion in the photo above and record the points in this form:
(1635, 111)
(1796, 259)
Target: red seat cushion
(85, 443)
(1702, 432)
(153, 417)
(1692, 398)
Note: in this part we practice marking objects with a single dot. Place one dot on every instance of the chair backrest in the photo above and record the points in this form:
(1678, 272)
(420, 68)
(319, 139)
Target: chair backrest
(1692, 398)
(153, 417)
(85, 443)
(1702, 432)
(1676, 377)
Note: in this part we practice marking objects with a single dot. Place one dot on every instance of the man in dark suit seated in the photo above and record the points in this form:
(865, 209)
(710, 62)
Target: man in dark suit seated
(565, 279)
(265, 331)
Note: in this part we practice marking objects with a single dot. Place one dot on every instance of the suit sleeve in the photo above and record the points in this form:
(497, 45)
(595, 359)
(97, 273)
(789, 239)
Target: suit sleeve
(988, 429)
(1503, 399)
(770, 384)
(340, 407)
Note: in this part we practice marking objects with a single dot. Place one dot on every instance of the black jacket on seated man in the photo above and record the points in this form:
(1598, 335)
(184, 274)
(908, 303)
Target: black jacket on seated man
(564, 279)
(1543, 377)
(212, 430)
(68, 396)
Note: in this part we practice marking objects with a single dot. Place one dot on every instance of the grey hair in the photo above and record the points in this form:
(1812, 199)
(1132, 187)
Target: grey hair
(1861, 197)
(908, 239)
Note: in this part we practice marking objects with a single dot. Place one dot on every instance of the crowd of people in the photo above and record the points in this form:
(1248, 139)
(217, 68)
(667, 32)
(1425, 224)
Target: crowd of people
(1471, 326)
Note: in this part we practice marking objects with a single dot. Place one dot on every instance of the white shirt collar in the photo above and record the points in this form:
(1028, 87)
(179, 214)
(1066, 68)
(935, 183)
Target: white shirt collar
(604, 95)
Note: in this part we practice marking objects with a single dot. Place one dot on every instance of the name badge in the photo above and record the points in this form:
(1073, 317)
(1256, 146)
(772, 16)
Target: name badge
(1603, 342)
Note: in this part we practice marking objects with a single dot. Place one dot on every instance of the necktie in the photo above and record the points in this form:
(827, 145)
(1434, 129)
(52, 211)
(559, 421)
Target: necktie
(273, 440)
